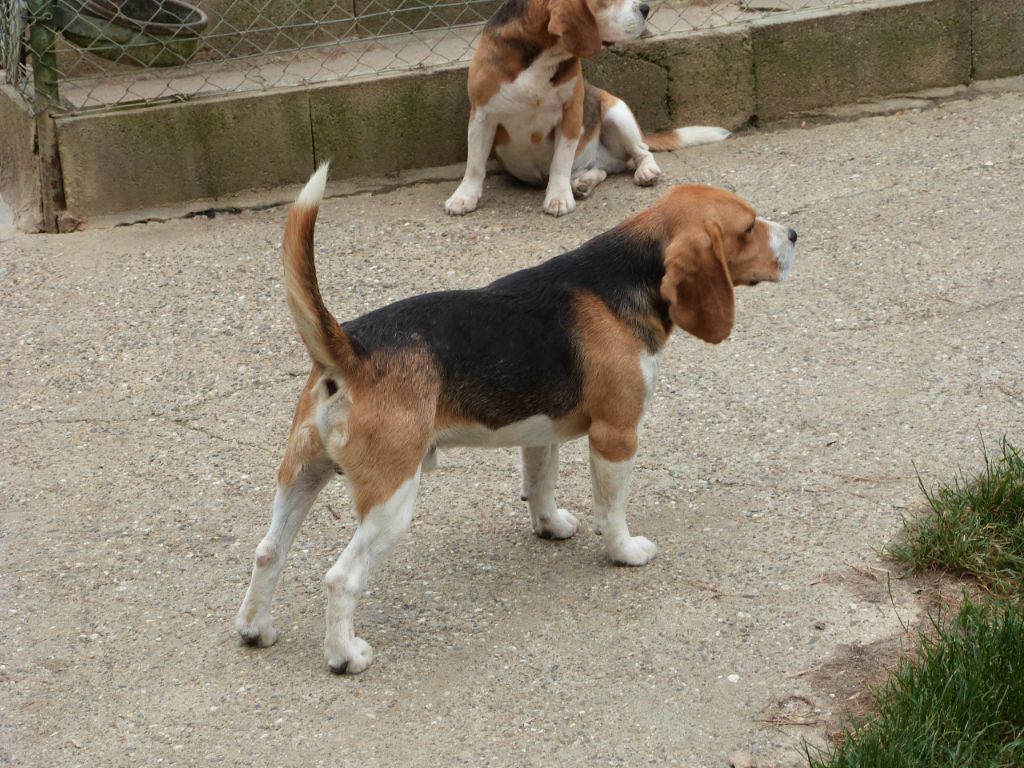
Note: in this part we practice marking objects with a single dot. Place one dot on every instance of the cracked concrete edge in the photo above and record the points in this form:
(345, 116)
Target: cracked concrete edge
(260, 199)
(208, 155)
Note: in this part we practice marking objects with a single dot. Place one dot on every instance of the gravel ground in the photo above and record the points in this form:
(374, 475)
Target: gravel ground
(148, 376)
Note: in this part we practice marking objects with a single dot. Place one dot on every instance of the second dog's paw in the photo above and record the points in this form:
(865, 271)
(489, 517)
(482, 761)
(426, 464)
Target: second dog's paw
(647, 174)
(461, 203)
(581, 190)
(561, 525)
(559, 205)
(634, 551)
(349, 659)
(584, 185)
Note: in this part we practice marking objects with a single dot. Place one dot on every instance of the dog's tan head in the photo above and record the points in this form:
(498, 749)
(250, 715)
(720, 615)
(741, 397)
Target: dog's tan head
(714, 240)
(582, 26)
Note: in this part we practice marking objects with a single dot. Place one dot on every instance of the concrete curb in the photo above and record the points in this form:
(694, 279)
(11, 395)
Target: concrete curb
(169, 155)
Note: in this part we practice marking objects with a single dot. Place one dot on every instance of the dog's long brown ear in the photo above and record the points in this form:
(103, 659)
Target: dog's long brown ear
(697, 284)
(574, 24)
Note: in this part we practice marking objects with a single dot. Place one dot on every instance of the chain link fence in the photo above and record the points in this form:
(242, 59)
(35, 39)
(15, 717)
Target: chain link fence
(98, 54)
(13, 46)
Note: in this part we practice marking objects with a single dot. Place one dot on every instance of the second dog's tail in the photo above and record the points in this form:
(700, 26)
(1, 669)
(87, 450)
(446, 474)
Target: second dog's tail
(326, 341)
(691, 136)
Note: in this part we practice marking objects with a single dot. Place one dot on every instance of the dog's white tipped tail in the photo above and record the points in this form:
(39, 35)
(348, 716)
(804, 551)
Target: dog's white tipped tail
(313, 192)
(693, 135)
(690, 136)
(326, 341)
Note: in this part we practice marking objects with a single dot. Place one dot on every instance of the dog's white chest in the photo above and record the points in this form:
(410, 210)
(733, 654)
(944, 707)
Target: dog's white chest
(530, 110)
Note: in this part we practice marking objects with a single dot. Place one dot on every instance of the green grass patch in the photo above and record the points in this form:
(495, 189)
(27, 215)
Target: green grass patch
(975, 526)
(958, 704)
(959, 701)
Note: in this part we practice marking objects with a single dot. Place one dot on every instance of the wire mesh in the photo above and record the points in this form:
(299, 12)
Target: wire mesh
(112, 53)
(13, 32)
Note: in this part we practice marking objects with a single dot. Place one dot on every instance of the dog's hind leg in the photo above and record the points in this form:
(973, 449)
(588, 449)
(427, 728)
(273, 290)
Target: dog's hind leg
(304, 471)
(379, 529)
(621, 135)
(540, 474)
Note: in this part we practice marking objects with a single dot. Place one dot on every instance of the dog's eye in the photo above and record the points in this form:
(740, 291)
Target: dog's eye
(750, 230)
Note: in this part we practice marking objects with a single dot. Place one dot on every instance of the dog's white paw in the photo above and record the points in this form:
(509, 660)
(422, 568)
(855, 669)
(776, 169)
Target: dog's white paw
(581, 188)
(349, 659)
(635, 551)
(559, 204)
(584, 184)
(647, 173)
(461, 203)
(260, 632)
(561, 525)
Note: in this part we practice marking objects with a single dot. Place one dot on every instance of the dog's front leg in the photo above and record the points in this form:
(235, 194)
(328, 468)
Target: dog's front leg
(559, 199)
(481, 140)
(377, 532)
(610, 480)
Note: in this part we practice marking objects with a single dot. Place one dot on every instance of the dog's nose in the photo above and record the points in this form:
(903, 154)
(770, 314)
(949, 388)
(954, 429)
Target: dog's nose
(792, 235)
(644, 9)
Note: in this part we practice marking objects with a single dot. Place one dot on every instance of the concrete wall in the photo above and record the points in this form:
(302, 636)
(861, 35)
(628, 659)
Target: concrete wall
(394, 124)
(702, 78)
(169, 155)
(154, 156)
(998, 28)
(19, 166)
(824, 59)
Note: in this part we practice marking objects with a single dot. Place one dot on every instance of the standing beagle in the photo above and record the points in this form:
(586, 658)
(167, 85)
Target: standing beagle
(529, 102)
(548, 354)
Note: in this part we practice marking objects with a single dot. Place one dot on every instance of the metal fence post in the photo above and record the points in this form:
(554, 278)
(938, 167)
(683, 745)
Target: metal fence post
(42, 44)
(46, 88)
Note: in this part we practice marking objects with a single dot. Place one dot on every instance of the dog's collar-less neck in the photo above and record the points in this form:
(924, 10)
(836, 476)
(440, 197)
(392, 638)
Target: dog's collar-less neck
(624, 269)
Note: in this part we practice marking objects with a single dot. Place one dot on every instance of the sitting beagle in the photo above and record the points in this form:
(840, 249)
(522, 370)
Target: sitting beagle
(529, 102)
(548, 354)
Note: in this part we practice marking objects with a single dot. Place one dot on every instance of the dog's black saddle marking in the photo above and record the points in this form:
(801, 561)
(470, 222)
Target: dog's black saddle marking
(509, 351)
